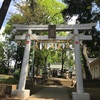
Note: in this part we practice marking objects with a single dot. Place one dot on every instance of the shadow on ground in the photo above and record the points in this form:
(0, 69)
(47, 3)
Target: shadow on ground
(93, 91)
(51, 93)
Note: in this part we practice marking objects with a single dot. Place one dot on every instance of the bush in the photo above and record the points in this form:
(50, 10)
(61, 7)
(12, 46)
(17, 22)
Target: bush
(16, 74)
(1, 70)
(8, 81)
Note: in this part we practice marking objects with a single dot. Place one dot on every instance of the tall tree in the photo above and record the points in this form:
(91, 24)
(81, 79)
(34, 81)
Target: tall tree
(41, 14)
(82, 8)
(1, 52)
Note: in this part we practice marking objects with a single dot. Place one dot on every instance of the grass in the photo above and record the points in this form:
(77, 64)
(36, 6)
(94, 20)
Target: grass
(94, 92)
(6, 79)
(5, 76)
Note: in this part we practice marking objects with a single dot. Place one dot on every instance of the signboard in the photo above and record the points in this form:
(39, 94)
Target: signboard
(52, 31)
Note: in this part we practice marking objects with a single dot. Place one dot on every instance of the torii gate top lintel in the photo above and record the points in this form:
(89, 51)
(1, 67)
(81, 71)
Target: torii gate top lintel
(58, 27)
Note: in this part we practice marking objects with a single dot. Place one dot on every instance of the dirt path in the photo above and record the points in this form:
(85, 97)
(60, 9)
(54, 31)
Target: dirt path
(51, 93)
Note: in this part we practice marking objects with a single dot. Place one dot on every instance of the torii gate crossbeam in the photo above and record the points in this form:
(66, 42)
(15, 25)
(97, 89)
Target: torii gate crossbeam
(58, 27)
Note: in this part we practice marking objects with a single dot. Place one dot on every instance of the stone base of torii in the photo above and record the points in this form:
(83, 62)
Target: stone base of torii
(20, 94)
(79, 95)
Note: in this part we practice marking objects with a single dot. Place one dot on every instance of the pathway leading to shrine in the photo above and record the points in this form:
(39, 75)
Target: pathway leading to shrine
(51, 93)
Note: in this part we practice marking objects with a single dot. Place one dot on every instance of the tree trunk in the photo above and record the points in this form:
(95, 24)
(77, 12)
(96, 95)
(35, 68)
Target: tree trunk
(15, 67)
(62, 63)
(3, 11)
(62, 69)
(86, 62)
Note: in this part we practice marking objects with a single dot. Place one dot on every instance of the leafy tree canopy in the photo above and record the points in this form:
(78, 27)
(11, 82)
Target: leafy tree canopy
(43, 12)
(82, 8)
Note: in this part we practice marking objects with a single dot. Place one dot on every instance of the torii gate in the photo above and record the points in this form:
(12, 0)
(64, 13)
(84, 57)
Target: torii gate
(79, 95)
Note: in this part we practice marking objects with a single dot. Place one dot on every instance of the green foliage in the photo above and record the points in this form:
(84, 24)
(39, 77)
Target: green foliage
(8, 29)
(18, 18)
(9, 51)
(83, 10)
(1, 70)
(80, 8)
(16, 74)
(54, 56)
(8, 81)
(1, 51)
(53, 10)
(43, 12)
(39, 58)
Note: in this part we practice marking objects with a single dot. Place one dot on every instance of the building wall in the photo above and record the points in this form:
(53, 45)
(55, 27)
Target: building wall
(56, 66)
(95, 69)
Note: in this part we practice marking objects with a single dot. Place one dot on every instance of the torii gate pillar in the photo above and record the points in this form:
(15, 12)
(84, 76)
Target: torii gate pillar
(21, 92)
(79, 95)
